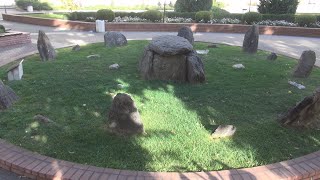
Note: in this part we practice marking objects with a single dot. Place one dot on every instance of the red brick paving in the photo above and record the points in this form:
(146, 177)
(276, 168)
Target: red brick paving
(35, 166)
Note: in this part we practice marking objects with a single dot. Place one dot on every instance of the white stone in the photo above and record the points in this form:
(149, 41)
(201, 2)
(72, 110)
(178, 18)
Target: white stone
(114, 66)
(120, 86)
(16, 72)
(203, 51)
(299, 86)
(238, 66)
(93, 56)
(100, 26)
(30, 8)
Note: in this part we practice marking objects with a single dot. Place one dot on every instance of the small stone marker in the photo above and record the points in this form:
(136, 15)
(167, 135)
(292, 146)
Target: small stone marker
(15, 72)
(93, 56)
(42, 119)
(203, 51)
(46, 50)
(7, 96)
(251, 40)
(305, 65)
(224, 131)
(305, 114)
(238, 66)
(124, 117)
(114, 66)
(76, 48)
(272, 57)
(186, 33)
(299, 86)
(115, 39)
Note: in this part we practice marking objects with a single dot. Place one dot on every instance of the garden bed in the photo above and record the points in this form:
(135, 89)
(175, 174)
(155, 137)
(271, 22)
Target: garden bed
(168, 27)
(76, 94)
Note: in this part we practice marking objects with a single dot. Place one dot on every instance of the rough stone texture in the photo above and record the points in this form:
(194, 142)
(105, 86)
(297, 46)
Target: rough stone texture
(186, 33)
(305, 114)
(169, 45)
(195, 69)
(46, 50)
(224, 131)
(272, 57)
(114, 39)
(7, 96)
(305, 65)
(76, 48)
(163, 60)
(124, 118)
(251, 40)
(170, 67)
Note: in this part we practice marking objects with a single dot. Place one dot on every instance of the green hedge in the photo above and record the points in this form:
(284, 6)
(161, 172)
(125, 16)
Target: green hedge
(251, 17)
(203, 16)
(81, 16)
(305, 20)
(273, 17)
(105, 14)
(37, 5)
(152, 15)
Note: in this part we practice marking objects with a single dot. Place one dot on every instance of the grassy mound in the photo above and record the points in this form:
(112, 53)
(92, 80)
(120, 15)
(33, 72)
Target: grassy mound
(76, 93)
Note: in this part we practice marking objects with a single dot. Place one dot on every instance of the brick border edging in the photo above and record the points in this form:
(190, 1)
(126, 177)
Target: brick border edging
(36, 166)
(23, 38)
(166, 27)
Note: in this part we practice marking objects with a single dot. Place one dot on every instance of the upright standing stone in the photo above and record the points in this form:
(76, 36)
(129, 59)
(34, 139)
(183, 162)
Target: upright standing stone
(187, 33)
(124, 117)
(195, 69)
(15, 72)
(114, 39)
(46, 50)
(305, 114)
(251, 40)
(7, 96)
(305, 65)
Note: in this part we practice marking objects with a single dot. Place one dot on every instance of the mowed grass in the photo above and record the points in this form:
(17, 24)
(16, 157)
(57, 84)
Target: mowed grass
(178, 118)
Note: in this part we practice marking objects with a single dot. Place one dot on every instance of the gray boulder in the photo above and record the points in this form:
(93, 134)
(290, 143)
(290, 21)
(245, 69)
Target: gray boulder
(124, 118)
(195, 69)
(169, 45)
(186, 33)
(76, 48)
(146, 64)
(305, 65)
(224, 131)
(7, 96)
(46, 50)
(306, 114)
(115, 39)
(272, 57)
(251, 40)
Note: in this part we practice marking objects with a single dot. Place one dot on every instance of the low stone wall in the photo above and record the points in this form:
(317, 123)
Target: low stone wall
(165, 27)
(14, 38)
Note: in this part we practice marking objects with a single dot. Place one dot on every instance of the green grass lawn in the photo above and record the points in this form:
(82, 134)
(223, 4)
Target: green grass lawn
(76, 93)
(49, 16)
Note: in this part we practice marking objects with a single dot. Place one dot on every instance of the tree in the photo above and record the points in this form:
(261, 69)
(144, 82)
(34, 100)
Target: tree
(70, 4)
(193, 5)
(278, 6)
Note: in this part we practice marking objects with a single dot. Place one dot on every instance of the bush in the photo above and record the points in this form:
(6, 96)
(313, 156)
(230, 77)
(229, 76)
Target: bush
(152, 15)
(219, 13)
(203, 16)
(251, 17)
(305, 20)
(278, 6)
(105, 14)
(37, 5)
(128, 14)
(279, 17)
(2, 29)
(192, 5)
(181, 14)
(81, 16)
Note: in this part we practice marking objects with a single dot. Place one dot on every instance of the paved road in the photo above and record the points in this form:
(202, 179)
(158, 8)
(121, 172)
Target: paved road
(286, 45)
(5, 175)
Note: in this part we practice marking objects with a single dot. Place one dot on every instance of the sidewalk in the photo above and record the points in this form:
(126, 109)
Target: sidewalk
(286, 45)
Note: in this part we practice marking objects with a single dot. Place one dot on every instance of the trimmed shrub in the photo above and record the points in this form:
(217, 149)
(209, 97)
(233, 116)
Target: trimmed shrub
(37, 5)
(192, 5)
(128, 14)
(305, 20)
(279, 17)
(278, 6)
(81, 16)
(152, 15)
(203, 16)
(2, 29)
(181, 14)
(219, 13)
(105, 14)
(251, 17)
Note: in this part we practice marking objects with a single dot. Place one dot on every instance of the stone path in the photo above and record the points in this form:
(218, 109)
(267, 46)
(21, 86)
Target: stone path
(286, 45)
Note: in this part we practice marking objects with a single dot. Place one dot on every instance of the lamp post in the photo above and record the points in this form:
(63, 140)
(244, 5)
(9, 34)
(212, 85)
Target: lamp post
(250, 6)
(5, 8)
(164, 8)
